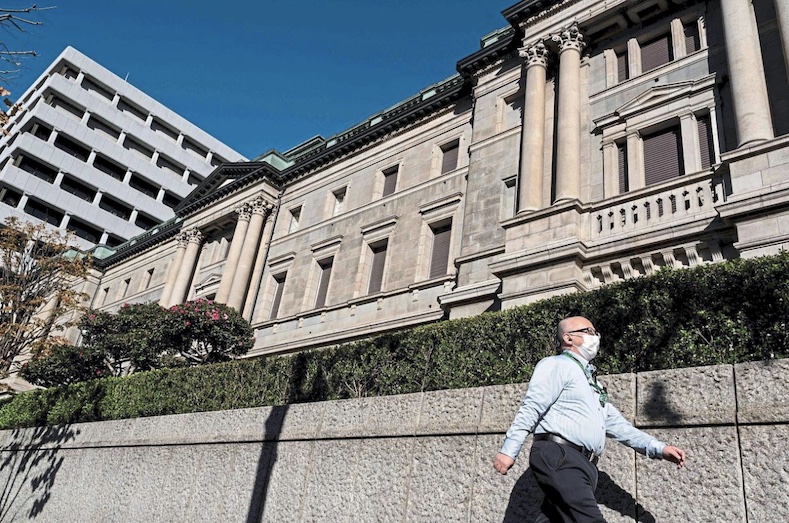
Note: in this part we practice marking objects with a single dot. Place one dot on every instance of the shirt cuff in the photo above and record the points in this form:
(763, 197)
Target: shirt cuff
(511, 447)
(655, 449)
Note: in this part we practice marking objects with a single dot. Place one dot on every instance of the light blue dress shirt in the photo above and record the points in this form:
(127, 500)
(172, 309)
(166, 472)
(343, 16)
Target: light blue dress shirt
(561, 401)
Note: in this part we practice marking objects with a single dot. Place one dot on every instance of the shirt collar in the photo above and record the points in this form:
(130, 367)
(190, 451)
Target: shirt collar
(577, 357)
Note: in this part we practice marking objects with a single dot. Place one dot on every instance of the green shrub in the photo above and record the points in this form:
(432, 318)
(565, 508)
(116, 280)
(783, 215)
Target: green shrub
(714, 314)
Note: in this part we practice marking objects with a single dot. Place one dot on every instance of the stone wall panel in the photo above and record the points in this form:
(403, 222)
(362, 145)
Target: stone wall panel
(765, 458)
(762, 391)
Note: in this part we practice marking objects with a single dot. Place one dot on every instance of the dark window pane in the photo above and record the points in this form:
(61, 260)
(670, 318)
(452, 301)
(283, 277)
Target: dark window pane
(38, 169)
(144, 186)
(279, 281)
(377, 270)
(83, 230)
(78, 189)
(390, 180)
(71, 147)
(663, 156)
(43, 212)
(624, 185)
(108, 167)
(449, 159)
(655, 53)
(323, 284)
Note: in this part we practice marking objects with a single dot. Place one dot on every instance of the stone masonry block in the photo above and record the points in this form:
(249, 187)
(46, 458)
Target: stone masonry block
(622, 393)
(344, 418)
(282, 499)
(393, 415)
(765, 457)
(330, 489)
(762, 391)
(709, 488)
(442, 473)
(450, 411)
(499, 405)
(616, 483)
(382, 477)
(698, 395)
(497, 498)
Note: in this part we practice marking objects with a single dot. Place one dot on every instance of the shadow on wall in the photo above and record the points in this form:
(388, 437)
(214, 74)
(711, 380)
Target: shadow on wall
(526, 498)
(28, 473)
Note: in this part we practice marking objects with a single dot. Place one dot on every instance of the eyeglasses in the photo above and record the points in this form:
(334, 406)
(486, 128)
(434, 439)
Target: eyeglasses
(586, 330)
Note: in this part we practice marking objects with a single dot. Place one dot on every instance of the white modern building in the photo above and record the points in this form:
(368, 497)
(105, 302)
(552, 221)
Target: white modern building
(86, 151)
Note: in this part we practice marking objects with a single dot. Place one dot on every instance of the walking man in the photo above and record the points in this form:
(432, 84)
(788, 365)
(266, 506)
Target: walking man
(568, 412)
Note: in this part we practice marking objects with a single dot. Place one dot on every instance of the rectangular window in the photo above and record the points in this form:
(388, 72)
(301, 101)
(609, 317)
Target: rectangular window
(108, 167)
(377, 270)
(655, 53)
(449, 156)
(622, 66)
(279, 286)
(94, 87)
(390, 180)
(69, 108)
(295, 216)
(170, 200)
(166, 164)
(143, 185)
(162, 128)
(145, 282)
(114, 241)
(706, 147)
(133, 145)
(692, 40)
(37, 169)
(125, 288)
(71, 147)
(10, 197)
(105, 129)
(339, 201)
(192, 147)
(78, 189)
(43, 212)
(663, 156)
(439, 257)
(323, 284)
(128, 107)
(115, 207)
(621, 152)
(145, 222)
(84, 230)
(41, 131)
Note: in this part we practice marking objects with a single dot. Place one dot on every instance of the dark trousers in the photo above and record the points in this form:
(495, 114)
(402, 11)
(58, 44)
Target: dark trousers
(568, 481)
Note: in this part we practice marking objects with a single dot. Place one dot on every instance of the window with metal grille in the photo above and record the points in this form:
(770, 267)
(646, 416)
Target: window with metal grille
(439, 257)
(323, 283)
(390, 180)
(655, 53)
(279, 286)
(706, 147)
(449, 156)
(621, 151)
(378, 263)
(78, 189)
(663, 156)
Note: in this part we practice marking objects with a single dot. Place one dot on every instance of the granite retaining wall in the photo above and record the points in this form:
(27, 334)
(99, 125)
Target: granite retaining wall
(411, 458)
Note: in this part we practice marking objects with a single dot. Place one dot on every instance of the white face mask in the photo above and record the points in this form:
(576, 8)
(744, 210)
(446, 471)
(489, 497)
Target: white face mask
(589, 347)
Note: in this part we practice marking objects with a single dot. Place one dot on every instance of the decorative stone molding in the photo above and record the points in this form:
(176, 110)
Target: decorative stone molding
(570, 38)
(536, 54)
(259, 205)
(182, 239)
(244, 212)
(193, 236)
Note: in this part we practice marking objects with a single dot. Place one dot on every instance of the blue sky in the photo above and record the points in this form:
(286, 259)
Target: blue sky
(265, 74)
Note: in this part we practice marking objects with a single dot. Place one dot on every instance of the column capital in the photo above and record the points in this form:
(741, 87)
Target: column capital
(193, 235)
(259, 205)
(570, 38)
(182, 239)
(536, 54)
(244, 211)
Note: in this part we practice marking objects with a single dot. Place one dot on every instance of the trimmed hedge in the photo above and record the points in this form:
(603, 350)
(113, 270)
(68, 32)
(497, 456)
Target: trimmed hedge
(715, 314)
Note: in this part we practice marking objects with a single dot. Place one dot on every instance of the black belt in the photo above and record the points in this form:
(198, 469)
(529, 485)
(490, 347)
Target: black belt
(547, 436)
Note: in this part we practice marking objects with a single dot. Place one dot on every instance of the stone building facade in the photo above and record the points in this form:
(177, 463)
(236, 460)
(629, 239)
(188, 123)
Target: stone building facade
(86, 151)
(586, 142)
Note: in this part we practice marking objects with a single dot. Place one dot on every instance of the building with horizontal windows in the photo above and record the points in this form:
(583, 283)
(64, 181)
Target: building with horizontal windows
(586, 142)
(84, 150)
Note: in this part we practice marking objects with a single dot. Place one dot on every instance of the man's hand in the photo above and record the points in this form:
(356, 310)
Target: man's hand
(502, 463)
(674, 455)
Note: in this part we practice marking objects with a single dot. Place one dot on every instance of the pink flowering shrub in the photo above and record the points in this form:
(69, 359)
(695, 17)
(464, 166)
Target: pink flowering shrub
(209, 332)
(140, 337)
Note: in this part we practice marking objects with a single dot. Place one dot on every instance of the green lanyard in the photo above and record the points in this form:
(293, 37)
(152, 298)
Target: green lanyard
(592, 381)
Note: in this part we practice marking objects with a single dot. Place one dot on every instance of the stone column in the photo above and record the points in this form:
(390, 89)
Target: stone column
(257, 271)
(244, 214)
(533, 131)
(691, 157)
(748, 85)
(782, 13)
(568, 135)
(238, 291)
(194, 239)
